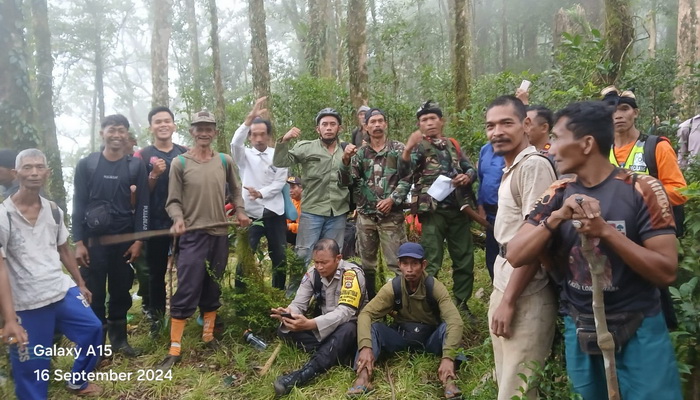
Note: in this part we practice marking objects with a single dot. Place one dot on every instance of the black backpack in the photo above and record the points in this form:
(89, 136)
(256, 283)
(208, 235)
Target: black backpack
(429, 296)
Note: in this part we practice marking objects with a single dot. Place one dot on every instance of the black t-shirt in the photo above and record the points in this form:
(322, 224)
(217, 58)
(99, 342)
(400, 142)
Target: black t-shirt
(159, 218)
(111, 181)
(638, 207)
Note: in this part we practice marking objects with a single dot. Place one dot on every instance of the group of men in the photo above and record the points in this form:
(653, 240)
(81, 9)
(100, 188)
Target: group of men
(534, 222)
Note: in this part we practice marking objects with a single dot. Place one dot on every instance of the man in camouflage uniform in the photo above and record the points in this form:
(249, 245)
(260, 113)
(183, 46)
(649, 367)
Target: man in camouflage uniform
(380, 190)
(430, 155)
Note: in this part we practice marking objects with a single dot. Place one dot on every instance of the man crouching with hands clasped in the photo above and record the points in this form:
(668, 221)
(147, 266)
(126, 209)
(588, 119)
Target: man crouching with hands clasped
(338, 288)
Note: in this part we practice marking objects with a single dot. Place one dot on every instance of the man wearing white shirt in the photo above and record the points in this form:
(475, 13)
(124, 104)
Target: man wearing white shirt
(263, 182)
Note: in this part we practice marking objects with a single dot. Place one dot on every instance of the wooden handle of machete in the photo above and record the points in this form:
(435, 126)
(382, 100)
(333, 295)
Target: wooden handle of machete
(127, 237)
(270, 360)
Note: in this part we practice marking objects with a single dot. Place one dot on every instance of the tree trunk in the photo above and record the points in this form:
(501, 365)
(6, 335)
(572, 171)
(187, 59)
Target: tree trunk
(16, 111)
(462, 53)
(220, 111)
(315, 43)
(651, 19)
(258, 49)
(99, 89)
(160, 40)
(687, 50)
(191, 15)
(619, 34)
(44, 97)
(504, 37)
(357, 52)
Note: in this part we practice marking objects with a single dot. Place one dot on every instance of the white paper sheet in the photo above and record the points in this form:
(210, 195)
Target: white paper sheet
(441, 188)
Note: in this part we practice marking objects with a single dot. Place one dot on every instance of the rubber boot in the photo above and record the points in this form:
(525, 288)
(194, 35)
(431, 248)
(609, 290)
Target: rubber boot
(284, 384)
(118, 338)
(370, 284)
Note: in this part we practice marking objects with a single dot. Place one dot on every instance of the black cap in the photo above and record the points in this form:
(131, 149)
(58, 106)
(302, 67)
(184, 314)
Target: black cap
(373, 111)
(429, 108)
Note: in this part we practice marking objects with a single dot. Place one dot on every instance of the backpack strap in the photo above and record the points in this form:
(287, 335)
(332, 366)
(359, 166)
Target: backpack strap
(223, 161)
(319, 294)
(56, 217)
(514, 188)
(396, 285)
(429, 283)
(650, 143)
(182, 160)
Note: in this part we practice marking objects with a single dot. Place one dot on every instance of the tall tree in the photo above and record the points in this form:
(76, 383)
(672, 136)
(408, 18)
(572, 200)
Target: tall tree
(16, 111)
(44, 98)
(462, 53)
(619, 34)
(687, 48)
(161, 11)
(357, 52)
(504, 36)
(315, 44)
(220, 112)
(191, 17)
(258, 49)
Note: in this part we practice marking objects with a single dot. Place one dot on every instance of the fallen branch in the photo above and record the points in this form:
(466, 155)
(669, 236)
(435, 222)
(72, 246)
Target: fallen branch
(270, 360)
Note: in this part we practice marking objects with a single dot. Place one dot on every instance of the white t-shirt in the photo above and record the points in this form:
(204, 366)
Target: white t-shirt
(536, 176)
(36, 276)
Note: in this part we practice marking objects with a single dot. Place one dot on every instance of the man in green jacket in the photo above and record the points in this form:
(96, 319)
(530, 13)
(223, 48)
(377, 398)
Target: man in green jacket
(325, 202)
(426, 318)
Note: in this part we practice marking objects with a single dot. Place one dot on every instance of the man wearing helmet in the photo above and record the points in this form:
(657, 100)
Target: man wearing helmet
(325, 203)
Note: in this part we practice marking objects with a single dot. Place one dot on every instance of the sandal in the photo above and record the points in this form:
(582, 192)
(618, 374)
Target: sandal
(359, 391)
(454, 394)
(91, 390)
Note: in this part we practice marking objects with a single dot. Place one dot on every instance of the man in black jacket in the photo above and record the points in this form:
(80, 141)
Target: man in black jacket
(111, 197)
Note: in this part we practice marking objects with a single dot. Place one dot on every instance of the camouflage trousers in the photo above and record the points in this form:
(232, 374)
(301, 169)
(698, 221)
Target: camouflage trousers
(373, 231)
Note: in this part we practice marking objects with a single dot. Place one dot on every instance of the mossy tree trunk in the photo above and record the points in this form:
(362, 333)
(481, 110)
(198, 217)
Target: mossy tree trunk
(357, 52)
(619, 35)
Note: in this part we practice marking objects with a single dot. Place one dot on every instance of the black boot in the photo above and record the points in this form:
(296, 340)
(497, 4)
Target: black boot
(284, 384)
(118, 338)
(370, 284)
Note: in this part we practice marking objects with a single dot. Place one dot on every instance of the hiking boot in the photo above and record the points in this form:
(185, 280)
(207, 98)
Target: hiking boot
(168, 362)
(284, 384)
(118, 338)
(464, 310)
(213, 344)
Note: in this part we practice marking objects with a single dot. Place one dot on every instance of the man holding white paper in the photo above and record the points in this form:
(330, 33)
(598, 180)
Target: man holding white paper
(432, 155)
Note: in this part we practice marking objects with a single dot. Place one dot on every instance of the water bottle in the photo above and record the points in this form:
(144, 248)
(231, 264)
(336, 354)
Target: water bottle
(254, 340)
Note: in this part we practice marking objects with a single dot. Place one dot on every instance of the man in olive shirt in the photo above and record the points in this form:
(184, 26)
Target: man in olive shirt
(426, 319)
(196, 198)
(325, 203)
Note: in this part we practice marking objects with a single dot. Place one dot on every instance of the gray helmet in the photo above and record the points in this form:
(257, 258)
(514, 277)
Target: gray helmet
(328, 112)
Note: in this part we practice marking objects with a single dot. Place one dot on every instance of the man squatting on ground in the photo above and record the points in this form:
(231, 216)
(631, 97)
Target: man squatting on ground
(628, 218)
(338, 287)
(381, 187)
(325, 203)
(426, 319)
(196, 198)
(110, 197)
(35, 242)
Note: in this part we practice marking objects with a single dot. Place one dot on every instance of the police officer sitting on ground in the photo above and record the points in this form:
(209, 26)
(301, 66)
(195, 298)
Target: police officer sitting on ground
(426, 319)
(338, 288)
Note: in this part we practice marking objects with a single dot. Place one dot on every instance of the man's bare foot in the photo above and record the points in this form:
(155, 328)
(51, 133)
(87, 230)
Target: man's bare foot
(362, 385)
(451, 390)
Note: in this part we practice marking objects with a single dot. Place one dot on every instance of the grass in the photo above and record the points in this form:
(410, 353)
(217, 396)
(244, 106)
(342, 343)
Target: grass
(230, 372)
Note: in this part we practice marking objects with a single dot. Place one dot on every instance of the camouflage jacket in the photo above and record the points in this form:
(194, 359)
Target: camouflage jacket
(430, 159)
(376, 176)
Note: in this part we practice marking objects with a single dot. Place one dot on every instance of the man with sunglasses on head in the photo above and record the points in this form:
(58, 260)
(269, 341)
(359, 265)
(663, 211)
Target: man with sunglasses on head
(644, 154)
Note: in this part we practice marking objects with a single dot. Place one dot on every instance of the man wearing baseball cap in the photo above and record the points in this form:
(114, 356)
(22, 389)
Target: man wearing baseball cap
(8, 183)
(426, 319)
(326, 202)
(196, 198)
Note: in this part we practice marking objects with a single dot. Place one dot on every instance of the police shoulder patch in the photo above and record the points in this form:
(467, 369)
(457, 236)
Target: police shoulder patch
(350, 292)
